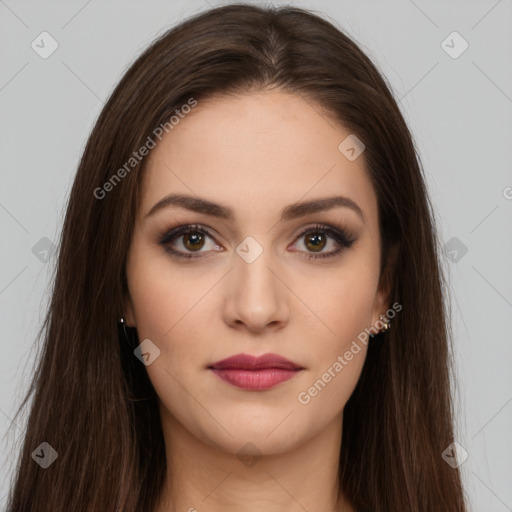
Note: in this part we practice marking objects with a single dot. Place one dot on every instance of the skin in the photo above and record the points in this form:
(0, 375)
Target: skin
(271, 149)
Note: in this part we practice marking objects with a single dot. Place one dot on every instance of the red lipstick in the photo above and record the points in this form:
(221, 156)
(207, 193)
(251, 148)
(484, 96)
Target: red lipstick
(255, 373)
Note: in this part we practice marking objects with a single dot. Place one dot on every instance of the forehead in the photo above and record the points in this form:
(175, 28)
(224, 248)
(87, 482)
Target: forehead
(257, 153)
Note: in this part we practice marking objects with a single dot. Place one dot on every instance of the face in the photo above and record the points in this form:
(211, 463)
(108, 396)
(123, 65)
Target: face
(257, 273)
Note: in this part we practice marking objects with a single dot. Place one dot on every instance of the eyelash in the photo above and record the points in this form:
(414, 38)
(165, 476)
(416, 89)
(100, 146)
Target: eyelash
(342, 237)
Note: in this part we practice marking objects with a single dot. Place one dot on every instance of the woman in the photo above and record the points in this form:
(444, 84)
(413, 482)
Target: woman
(248, 304)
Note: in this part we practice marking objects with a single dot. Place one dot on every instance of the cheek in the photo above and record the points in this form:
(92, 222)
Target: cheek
(161, 294)
(344, 303)
(171, 310)
(343, 298)
(167, 304)
(340, 355)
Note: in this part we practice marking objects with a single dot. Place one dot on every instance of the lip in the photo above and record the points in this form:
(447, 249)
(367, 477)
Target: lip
(255, 373)
(248, 362)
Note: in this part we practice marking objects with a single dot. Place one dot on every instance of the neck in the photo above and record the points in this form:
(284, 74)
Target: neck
(203, 476)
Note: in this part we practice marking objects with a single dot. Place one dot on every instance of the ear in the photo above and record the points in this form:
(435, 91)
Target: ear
(128, 311)
(383, 297)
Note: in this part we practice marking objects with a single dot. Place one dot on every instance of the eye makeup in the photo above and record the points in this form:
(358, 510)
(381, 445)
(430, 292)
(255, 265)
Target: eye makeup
(341, 237)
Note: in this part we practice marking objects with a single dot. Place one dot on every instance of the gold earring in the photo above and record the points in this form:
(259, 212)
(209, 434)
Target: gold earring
(386, 323)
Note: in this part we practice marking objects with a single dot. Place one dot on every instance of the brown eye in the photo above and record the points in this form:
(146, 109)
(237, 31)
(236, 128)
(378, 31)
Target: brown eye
(189, 241)
(193, 241)
(315, 241)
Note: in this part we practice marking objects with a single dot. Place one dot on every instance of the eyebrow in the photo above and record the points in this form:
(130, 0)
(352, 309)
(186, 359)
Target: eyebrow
(293, 211)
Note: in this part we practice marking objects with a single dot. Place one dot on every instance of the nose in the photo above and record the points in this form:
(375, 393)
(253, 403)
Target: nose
(255, 295)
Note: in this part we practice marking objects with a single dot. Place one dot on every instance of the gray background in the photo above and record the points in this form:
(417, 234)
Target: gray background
(459, 110)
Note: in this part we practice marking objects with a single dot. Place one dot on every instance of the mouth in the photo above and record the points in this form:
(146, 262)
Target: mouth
(255, 373)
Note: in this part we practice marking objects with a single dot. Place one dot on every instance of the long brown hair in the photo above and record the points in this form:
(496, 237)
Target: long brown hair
(92, 400)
